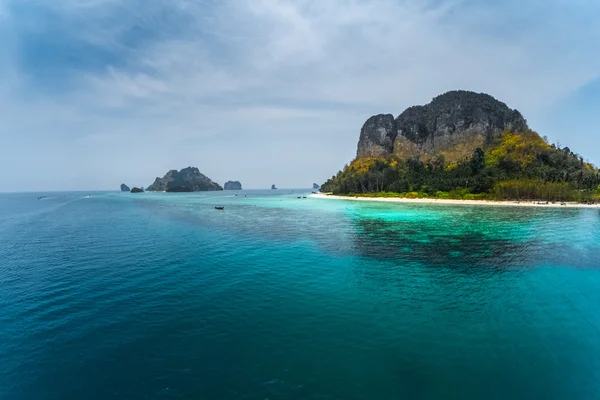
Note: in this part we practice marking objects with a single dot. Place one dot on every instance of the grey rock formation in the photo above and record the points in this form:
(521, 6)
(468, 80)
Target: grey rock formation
(377, 136)
(454, 124)
(125, 188)
(273, 187)
(316, 187)
(187, 180)
(137, 190)
(232, 185)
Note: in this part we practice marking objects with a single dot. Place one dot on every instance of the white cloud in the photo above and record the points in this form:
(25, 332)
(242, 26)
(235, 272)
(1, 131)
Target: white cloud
(242, 76)
(378, 53)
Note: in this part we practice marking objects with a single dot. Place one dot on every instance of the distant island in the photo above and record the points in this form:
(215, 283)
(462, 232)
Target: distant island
(316, 186)
(463, 145)
(125, 188)
(232, 185)
(187, 180)
(137, 190)
(273, 187)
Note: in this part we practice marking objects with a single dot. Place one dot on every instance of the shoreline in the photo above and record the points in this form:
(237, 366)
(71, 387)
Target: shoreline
(510, 203)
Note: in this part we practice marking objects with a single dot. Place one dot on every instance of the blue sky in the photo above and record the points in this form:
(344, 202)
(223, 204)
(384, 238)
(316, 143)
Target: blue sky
(100, 92)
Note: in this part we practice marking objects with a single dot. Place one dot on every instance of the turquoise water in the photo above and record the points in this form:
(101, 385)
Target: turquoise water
(160, 296)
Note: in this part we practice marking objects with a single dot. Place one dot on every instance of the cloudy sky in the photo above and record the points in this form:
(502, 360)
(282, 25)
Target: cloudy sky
(99, 92)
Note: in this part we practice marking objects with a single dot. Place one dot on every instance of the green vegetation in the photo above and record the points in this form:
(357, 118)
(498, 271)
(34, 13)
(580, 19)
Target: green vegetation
(515, 166)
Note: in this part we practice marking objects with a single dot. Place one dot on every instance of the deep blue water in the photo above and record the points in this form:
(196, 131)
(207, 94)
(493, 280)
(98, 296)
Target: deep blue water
(160, 296)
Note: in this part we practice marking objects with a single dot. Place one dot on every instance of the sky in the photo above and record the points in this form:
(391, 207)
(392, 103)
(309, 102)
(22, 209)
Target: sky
(96, 93)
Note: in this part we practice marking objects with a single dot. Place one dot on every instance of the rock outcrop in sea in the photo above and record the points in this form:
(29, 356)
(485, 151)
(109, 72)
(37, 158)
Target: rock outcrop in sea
(273, 187)
(316, 187)
(232, 185)
(187, 180)
(125, 188)
(137, 190)
(454, 124)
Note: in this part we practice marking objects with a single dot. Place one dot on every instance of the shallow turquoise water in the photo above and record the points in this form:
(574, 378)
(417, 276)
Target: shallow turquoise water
(160, 296)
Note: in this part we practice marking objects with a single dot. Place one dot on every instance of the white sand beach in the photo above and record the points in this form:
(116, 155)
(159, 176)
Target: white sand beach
(456, 202)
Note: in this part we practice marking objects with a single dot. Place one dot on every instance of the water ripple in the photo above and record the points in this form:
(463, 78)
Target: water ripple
(161, 296)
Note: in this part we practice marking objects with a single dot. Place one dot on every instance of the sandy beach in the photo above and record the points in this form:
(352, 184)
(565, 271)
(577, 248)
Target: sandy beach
(456, 202)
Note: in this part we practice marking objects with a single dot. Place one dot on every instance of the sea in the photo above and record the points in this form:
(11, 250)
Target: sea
(109, 295)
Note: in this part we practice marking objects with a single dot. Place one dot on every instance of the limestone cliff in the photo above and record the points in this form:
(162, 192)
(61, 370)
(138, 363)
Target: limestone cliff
(377, 136)
(453, 125)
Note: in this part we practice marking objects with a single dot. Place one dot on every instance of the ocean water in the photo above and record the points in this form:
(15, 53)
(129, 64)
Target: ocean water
(160, 296)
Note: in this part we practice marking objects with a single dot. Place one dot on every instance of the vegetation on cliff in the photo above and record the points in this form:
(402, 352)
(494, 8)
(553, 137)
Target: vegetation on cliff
(514, 165)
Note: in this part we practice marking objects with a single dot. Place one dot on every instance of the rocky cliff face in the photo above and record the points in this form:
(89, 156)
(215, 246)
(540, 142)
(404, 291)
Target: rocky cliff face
(377, 136)
(233, 185)
(124, 188)
(453, 125)
(187, 180)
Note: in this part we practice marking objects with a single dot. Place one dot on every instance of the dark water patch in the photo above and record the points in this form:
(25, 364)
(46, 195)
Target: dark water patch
(482, 240)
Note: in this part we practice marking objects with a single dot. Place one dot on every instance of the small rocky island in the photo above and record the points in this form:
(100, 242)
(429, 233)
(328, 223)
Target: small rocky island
(187, 180)
(125, 188)
(316, 187)
(232, 185)
(273, 187)
(137, 190)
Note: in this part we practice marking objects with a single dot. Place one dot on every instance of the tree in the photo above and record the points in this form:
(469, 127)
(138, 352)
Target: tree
(439, 162)
(477, 161)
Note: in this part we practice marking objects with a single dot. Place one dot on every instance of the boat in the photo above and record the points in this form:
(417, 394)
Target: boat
(219, 207)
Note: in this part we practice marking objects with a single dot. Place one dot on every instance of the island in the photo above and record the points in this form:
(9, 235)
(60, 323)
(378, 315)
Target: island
(187, 180)
(463, 145)
(125, 188)
(232, 185)
(273, 187)
(316, 186)
(137, 190)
